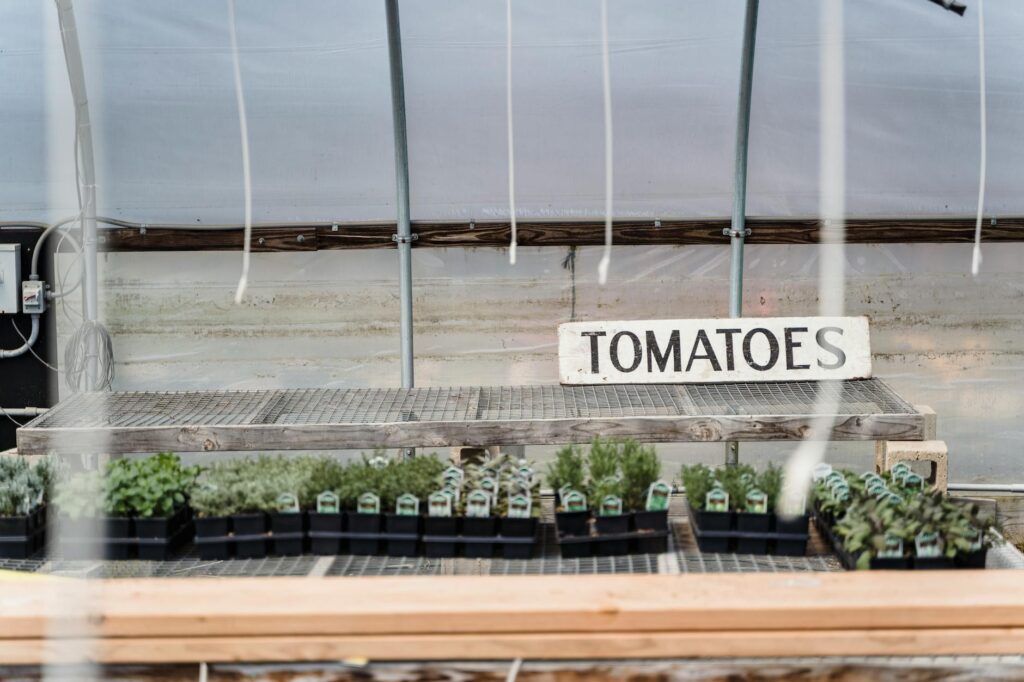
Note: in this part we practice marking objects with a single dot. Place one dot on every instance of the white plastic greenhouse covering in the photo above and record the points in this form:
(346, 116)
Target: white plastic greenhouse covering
(315, 74)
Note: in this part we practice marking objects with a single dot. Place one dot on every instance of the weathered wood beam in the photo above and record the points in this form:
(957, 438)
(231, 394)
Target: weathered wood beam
(323, 236)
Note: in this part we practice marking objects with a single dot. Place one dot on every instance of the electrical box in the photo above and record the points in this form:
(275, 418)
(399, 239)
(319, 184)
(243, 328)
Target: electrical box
(33, 297)
(10, 278)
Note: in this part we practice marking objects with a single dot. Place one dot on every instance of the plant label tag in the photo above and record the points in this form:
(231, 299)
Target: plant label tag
(899, 470)
(574, 501)
(717, 500)
(440, 504)
(913, 481)
(876, 486)
(714, 350)
(892, 548)
(368, 503)
(525, 473)
(519, 506)
(288, 503)
(611, 505)
(478, 503)
(658, 496)
(378, 462)
(454, 491)
(490, 484)
(454, 474)
(821, 471)
(834, 478)
(327, 503)
(407, 505)
(757, 502)
(927, 545)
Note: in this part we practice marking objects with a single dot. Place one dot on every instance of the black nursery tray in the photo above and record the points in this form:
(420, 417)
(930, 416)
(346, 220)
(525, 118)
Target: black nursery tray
(718, 532)
(153, 539)
(480, 538)
(23, 536)
(580, 535)
(908, 563)
(251, 536)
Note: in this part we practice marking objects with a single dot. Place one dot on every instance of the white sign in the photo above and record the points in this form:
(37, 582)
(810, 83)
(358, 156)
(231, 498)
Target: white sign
(716, 350)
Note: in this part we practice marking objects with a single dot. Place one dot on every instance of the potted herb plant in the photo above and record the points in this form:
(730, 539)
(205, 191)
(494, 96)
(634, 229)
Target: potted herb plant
(566, 474)
(24, 494)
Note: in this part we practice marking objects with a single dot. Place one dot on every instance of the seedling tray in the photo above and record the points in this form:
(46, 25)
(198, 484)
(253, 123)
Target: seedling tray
(22, 536)
(515, 538)
(742, 533)
(907, 563)
(148, 538)
(626, 537)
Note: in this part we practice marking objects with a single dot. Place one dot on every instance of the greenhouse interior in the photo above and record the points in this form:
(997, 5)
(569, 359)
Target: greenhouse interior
(511, 340)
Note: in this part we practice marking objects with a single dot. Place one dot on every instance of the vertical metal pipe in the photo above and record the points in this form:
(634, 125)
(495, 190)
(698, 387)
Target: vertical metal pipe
(84, 154)
(738, 229)
(404, 236)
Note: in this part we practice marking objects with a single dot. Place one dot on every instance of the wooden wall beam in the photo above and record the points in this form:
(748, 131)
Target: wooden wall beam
(324, 236)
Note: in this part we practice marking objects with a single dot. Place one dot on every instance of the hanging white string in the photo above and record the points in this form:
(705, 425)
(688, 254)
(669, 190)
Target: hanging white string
(511, 146)
(976, 255)
(606, 259)
(243, 126)
(832, 259)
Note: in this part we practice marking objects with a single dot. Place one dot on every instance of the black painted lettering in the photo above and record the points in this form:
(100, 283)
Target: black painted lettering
(773, 349)
(709, 352)
(655, 356)
(637, 351)
(831, 348)
(730, 359)
(594, 362)
(791, 344)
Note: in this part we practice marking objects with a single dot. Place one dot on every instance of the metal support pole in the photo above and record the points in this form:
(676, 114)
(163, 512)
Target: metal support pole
(404, 237)
(738, 231)
(87, 171)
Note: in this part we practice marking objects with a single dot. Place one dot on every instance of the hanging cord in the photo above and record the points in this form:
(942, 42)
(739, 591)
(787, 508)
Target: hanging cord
(243, 126)
(511, 146)
(976, 255)
(91, 337)
(606, 259)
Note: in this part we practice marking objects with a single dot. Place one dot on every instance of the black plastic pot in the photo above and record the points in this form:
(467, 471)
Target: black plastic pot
(932, 563)
(158, 537)
(713, 521)
(22, 536)
(445, 529)
(576, 547)
(517, 529)
(971, 559)
(325, 533)
(747, 522)
(479, 527)
(650, 520)
(573, 523)
(395, 524)
(609, 528)
(367, 525)
(288, 533)
(212, 537)
(250, 535)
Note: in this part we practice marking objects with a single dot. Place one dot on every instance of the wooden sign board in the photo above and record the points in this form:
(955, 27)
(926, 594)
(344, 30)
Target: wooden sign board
(715, 350)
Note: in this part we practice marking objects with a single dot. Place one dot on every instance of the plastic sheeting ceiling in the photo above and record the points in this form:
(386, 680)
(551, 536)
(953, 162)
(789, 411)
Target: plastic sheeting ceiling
(316, 86)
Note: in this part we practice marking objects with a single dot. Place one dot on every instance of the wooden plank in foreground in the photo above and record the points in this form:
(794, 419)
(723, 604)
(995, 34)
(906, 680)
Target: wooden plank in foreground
(477, 605)
(475, 433)
(550, 646)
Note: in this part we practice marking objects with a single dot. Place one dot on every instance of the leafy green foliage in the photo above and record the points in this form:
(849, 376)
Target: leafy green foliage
(698, 479)
(23, 487)
(869, 514)
(603, 460)
(567, 469)
(640, 468)
(82, 495)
